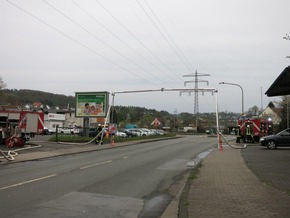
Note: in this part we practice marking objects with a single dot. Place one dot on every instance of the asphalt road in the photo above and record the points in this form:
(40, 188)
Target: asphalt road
(270, 166)
(131, 181)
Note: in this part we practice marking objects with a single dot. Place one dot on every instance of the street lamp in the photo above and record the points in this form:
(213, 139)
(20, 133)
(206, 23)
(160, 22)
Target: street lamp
(234, 84)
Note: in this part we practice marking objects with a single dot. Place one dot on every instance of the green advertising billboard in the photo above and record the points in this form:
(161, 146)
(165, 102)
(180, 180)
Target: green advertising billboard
(92, 104)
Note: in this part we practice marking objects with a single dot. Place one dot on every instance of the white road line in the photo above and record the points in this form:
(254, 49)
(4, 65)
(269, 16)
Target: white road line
(26, 182)
(97, 164)
(126, 157)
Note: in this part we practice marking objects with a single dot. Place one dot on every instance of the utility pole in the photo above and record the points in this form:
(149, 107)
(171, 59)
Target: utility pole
(196, 81)
(175, 115)
(287, 111)
(287, 37)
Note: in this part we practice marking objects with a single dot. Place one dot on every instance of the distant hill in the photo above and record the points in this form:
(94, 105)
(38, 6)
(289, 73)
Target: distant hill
(25, 96)
(122, 115)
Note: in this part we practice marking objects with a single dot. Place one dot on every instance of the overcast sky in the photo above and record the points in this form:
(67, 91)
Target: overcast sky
(68, 46)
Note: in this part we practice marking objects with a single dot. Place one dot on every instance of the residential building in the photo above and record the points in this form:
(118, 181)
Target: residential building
(273, 113)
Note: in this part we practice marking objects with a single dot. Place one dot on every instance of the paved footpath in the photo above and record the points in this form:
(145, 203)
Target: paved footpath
(225, 187)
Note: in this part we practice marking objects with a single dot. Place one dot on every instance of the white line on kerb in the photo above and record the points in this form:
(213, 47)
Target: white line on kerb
(97, 164)
(26, 182)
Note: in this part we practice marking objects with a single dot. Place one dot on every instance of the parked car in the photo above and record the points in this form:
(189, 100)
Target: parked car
(160, 132)
(121, 134)
(273, 141)
(68, 130)
(129, 133)
(139, 132)
(92, 132)
(153, 131)
(47, 131)
(145, 131)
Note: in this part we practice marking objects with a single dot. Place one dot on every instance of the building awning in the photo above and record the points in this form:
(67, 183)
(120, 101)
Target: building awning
(281, 86)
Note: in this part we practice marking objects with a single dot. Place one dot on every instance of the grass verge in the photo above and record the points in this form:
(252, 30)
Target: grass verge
(81, 139)
(183, 203)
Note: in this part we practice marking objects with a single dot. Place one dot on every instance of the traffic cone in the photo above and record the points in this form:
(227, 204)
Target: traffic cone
(113, 141)
(220, 143)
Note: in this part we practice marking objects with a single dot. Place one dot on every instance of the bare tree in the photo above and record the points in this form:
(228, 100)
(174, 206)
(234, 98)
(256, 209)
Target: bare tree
(254, 111)
(2, 84)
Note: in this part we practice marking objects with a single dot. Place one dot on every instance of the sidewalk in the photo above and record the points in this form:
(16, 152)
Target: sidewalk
(225, 187)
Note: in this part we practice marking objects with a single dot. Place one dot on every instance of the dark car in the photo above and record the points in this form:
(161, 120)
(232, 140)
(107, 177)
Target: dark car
(128, 133)
(45, 131)
(92, 132)
(273, 141)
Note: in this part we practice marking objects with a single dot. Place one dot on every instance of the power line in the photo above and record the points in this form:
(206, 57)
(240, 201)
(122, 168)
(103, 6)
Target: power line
(76, 41)
(139, 41)
(156, 26)
(178, 51)
(156, 44)
(117, 37)
(100, 40)
(197, 104)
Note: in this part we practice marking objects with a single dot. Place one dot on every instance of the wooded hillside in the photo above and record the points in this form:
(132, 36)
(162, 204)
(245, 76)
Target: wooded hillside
(122, 115)
(24, 96)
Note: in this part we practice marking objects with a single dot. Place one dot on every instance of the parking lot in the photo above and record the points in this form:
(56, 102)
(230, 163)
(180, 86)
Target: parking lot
(270, 166)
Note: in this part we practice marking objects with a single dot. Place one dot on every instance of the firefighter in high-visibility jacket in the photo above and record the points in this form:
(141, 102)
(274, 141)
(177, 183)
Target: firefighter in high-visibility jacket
(248, 134)
(238, 133)
(100, 135)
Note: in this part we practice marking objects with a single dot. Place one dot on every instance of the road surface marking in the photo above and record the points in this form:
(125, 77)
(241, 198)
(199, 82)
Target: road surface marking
(97, 164)
(30, 181)
(126, 157)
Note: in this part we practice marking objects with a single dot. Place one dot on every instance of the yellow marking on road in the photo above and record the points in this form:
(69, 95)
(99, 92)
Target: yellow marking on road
(26, 182)
(97, 164)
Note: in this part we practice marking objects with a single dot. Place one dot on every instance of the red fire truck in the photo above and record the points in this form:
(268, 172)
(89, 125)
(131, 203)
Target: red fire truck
(258, 127)
(18, 126)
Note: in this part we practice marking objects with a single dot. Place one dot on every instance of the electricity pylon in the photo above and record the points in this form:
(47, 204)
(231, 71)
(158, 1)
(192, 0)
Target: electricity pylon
(195, 81)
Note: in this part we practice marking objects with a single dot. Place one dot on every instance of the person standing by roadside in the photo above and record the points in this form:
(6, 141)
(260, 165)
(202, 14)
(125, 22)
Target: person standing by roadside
(248, 134)
(238, 133)
(99, 135)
